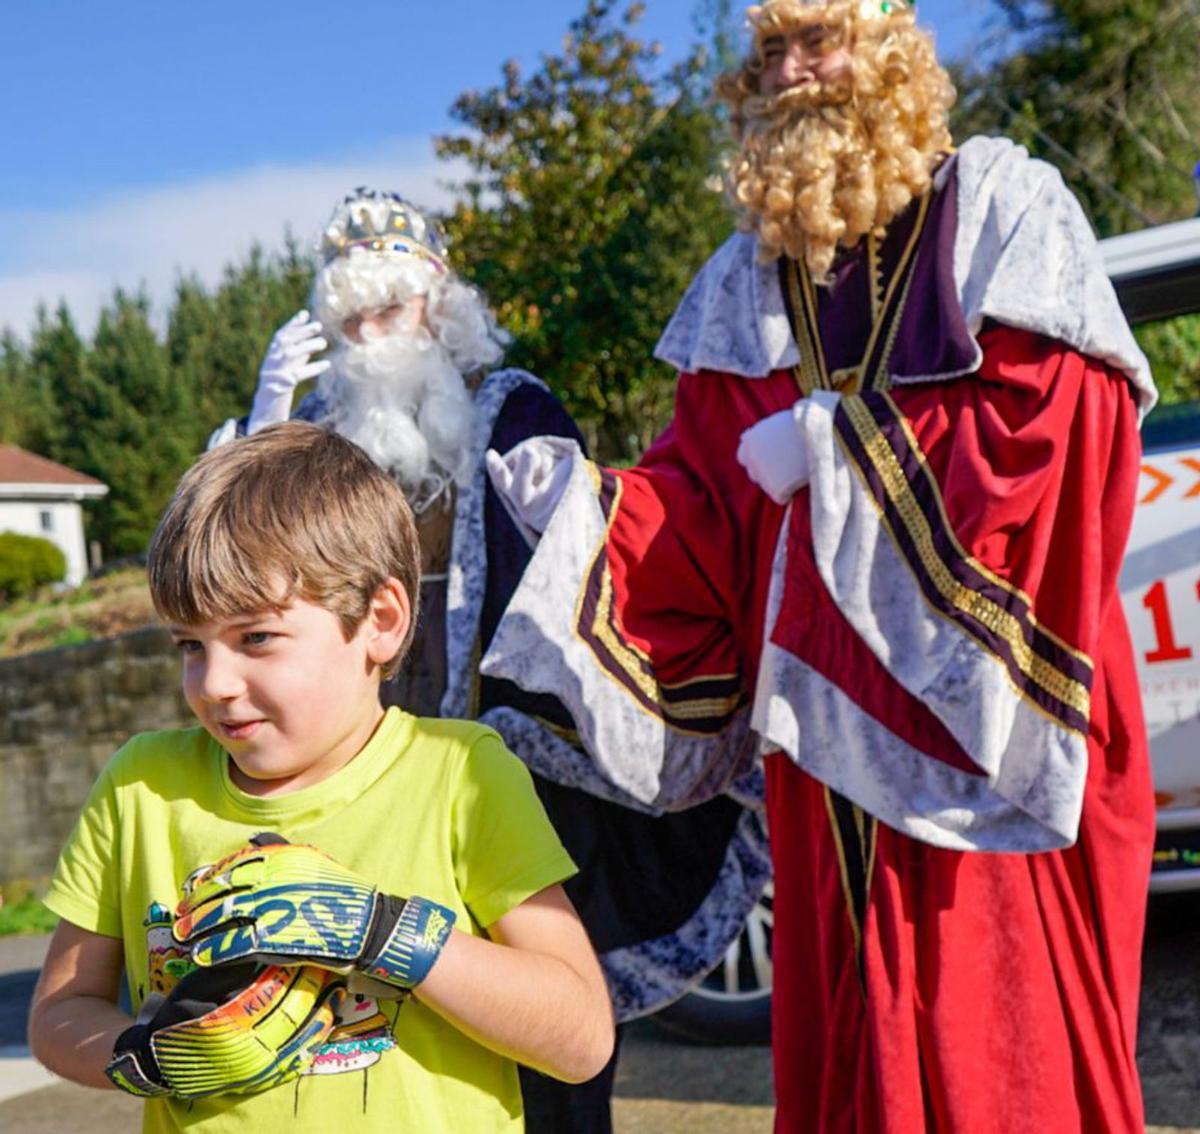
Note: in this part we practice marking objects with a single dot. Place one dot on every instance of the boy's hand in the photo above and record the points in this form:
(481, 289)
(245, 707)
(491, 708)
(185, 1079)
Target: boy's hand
(276, 903)
(234, 1030)
(279, 903)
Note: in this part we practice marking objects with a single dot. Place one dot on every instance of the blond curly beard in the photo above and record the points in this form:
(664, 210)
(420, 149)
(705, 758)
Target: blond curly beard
(821, 166)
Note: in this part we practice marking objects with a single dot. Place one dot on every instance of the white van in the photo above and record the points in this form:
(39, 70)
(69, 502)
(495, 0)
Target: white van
(1157, 276)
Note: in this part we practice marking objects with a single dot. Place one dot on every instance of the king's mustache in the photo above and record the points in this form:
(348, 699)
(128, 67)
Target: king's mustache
(793, 105)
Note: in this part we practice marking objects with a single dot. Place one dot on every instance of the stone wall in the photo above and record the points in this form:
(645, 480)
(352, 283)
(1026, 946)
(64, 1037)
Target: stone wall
(62, 715)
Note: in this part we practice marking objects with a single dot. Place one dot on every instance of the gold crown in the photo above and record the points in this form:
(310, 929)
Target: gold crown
(383, 222)
(867, 9)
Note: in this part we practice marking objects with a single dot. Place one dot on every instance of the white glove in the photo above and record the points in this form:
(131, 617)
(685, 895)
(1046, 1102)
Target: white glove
(222, 435)
(775, 456)
(531, 478)
(285, 367)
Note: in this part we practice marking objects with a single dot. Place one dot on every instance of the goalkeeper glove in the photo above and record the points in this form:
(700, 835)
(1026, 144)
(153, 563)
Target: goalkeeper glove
(279, 903)
(235, 1030)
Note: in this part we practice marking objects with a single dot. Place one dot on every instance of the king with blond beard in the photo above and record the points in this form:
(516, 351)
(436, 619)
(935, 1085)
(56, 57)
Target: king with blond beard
(875, 556)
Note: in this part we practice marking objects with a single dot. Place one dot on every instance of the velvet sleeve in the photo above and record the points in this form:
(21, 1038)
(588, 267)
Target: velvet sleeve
(641, 608)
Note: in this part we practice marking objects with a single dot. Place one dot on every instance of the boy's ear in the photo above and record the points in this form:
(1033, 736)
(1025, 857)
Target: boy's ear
(388, 620)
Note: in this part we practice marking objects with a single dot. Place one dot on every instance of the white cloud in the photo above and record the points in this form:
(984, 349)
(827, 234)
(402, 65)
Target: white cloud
(149, 237)
(21, 292)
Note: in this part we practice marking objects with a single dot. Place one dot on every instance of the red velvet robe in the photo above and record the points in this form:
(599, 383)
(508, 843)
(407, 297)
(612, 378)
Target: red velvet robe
(918, 987)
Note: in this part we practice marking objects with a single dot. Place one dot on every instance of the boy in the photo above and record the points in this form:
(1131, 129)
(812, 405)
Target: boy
(286, 568)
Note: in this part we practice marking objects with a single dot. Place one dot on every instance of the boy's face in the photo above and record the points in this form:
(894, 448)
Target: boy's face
(283, 691)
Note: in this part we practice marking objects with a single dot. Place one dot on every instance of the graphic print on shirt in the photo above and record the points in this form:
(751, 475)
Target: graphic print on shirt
(167, 961)
(363, 1033)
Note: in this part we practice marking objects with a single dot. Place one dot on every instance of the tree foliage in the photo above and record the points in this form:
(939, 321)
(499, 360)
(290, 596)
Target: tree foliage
(590, 202)
(589, 207)
(1105, 90)
(215, 342)
(24, 404)
(140, 461)
(133, 409)
(1173, 348)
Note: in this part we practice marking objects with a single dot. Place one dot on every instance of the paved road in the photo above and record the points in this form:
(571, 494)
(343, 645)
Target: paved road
(664, 1087)
(1169, 1025)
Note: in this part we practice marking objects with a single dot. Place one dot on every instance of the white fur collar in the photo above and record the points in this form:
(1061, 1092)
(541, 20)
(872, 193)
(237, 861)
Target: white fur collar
(1024, 255)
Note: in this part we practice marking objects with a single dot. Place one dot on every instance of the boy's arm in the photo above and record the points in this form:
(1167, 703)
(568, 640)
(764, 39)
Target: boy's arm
(534, 993)
(74, 1020)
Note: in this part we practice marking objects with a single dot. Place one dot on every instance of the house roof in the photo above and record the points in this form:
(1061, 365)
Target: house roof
(19, 467)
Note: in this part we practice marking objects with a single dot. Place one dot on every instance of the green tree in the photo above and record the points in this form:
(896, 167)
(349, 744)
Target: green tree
(59, 371)
(630, 282)
(717, 24)
(133, 411)
(16, 409)
(215, 343)
(141, 443)
(1105, 90)
(29, 416)
(191, 332)
(1173, 348)
(589, 206)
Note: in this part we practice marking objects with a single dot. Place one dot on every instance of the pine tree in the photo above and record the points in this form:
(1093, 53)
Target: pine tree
(189, 348)
(216, 342)
(59, 372)
(18, 411)
(140, 446)
(133, 411)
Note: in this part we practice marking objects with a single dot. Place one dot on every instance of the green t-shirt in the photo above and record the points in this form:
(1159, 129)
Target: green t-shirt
(430, 807)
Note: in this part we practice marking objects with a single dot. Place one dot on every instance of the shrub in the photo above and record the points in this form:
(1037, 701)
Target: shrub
(25, 915)
(26, 562)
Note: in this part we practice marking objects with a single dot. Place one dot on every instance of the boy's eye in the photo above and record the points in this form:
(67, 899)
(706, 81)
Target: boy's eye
(188, 645)
(257, 637)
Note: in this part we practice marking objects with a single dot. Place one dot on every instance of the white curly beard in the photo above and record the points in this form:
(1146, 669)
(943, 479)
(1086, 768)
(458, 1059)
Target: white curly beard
(401, 398)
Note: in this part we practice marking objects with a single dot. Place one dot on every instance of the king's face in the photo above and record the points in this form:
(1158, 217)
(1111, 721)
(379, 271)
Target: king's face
(397, 319)
(811, 55)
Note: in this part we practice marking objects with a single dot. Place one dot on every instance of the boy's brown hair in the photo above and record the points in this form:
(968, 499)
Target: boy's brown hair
(295, 510)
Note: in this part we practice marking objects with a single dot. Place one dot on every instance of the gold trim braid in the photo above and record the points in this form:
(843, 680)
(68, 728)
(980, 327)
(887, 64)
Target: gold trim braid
(974, 605)
(635, 664)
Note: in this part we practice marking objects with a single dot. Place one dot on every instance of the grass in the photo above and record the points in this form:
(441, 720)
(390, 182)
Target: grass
(73, 636)
(99, 608)
(28, 915)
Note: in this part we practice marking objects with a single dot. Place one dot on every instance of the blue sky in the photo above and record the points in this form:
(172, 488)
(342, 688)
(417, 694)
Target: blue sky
(143, 139)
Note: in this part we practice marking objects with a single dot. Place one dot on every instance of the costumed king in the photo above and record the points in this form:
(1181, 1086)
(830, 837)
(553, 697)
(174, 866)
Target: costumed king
(882, 533)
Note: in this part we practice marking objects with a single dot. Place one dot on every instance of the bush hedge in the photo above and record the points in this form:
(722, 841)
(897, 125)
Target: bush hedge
(26, 563)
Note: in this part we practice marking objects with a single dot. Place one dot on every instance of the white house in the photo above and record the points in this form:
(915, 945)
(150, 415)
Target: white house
(39, 497)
